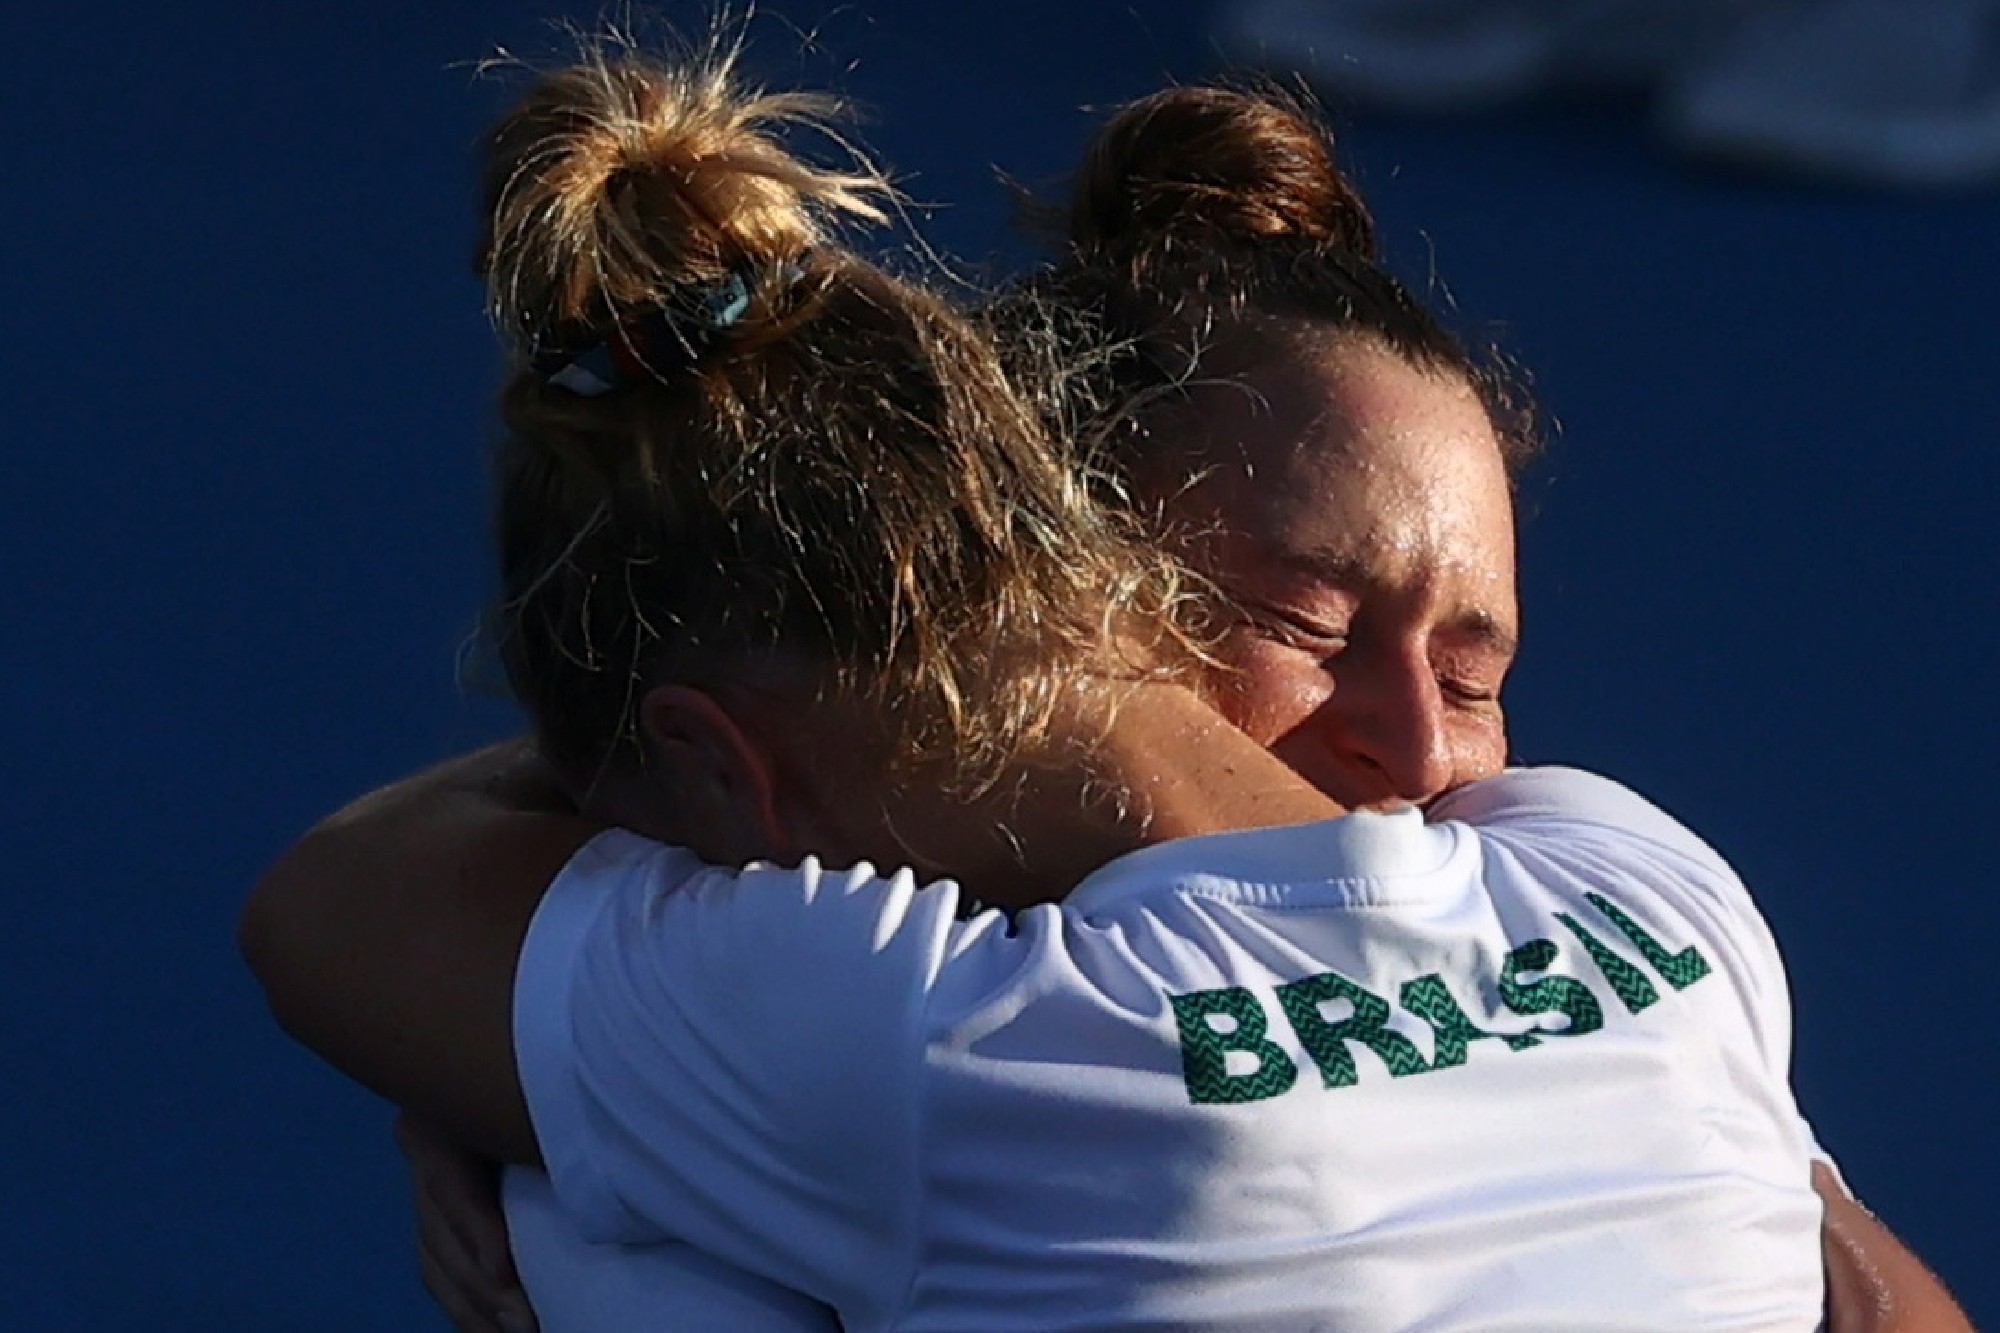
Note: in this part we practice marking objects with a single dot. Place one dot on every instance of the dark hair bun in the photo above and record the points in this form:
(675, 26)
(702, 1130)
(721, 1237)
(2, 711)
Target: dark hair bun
(1190, 169)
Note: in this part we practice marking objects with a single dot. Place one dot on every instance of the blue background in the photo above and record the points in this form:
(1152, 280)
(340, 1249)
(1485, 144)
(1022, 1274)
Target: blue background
(242, 522)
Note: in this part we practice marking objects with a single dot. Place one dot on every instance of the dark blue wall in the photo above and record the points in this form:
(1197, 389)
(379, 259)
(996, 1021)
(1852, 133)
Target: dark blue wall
(242, 492)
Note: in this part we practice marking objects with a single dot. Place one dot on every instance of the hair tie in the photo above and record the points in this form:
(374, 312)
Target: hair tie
(668, 338)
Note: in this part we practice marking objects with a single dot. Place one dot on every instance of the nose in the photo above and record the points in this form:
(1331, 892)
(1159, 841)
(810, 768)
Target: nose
(1388, 718)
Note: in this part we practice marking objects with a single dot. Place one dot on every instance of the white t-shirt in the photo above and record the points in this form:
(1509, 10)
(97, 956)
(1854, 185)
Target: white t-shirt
(661, 1287)
(1525, 1068)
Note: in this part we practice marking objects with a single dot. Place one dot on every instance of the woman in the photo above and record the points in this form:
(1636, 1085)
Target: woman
(1367, 674)
(1465, 640)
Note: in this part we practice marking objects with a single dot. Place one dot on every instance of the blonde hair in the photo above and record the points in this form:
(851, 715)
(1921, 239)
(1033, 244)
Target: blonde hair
(844, 469)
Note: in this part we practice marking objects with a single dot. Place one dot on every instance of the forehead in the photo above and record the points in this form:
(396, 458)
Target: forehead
(1353, 463)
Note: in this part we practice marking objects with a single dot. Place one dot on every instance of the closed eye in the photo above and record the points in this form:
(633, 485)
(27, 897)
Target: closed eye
(1472, 679)
(1468, 693)
(1297, 631)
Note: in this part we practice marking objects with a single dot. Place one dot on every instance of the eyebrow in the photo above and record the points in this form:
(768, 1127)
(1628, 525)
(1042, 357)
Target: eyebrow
(1347, 571)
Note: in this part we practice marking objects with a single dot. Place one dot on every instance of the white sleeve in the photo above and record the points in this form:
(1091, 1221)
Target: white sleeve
(1679, 882)
(1551, 796)
(577, 1287)
(733, 1059)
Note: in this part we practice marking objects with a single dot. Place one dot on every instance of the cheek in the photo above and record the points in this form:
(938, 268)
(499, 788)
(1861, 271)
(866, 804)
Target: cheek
(1478, 747)
(1270, 689)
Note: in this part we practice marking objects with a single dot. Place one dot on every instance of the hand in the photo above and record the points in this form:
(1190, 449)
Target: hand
(464, 1257)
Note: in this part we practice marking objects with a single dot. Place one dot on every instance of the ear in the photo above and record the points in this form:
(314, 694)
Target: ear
(715, 779)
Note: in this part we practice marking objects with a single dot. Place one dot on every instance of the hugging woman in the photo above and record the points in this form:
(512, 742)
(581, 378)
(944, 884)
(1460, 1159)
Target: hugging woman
(1138, 1026)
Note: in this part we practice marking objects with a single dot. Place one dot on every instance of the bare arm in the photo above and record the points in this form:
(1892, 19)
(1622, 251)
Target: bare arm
(464, 1252)
(386, 938)
(1874, 1284)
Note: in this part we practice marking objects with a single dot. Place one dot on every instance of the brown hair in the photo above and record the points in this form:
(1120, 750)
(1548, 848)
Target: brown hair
(843, 470)
(1212, 224)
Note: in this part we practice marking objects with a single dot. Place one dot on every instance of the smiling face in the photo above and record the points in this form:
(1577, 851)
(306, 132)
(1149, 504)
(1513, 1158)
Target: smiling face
(1358, 512)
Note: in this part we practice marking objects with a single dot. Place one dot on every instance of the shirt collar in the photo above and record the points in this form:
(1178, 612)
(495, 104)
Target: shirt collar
(1371, 846)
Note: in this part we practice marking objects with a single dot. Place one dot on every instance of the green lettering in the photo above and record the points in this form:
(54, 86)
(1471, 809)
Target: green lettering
(1550, 995)
(1327, 1042)
(1427, 998)
(1627, 981)
(1205, 1049)
(1681, 969)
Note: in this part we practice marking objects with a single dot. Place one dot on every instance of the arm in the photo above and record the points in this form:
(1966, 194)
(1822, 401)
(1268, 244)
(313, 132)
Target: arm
(727, 1011)
(386, 938)
(1874, 1284)
(464, 1252)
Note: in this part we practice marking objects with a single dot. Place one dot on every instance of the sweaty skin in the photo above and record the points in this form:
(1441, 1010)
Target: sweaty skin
(1357, 510)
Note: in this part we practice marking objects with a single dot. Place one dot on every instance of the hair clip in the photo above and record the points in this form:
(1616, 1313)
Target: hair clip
(723, 303)
(660, 340)
(589, 373)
